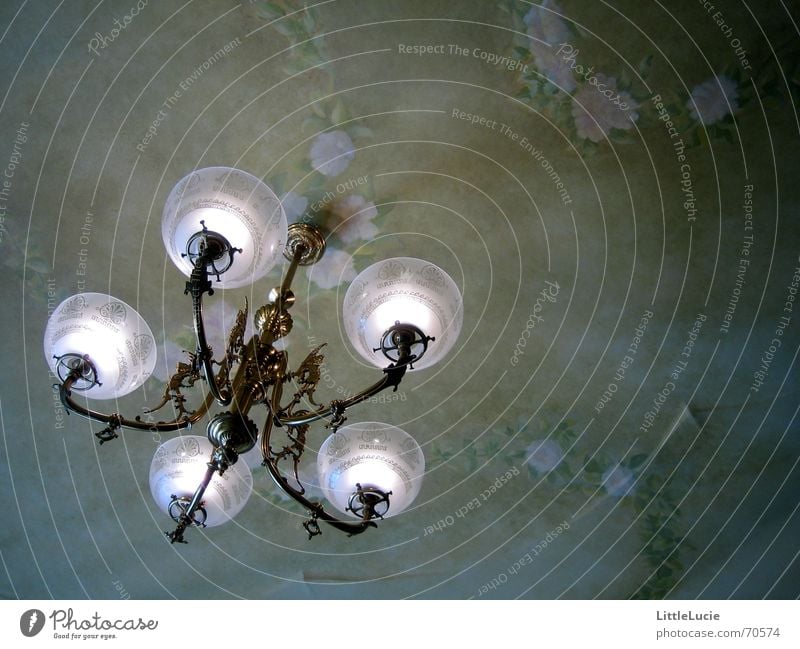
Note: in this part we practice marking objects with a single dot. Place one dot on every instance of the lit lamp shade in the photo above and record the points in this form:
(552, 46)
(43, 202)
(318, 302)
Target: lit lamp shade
(408, 290)
(374, 455)
(116, 338)
(179, 466)
(238, 206)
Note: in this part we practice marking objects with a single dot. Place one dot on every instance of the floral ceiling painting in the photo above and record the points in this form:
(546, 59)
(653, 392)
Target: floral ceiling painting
(611, 185)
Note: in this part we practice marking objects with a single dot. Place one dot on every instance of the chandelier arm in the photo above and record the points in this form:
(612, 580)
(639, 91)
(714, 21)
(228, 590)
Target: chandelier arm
(272, 404)
(115, 420)
(196, 286)
(186, 517)
(271, 463)
(391, 379)
(316, 509)
(296, 260)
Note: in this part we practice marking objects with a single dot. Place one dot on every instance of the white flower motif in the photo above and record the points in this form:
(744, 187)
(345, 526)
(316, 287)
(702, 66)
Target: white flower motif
(544, 455)
(598, 108)
(331, 153)
(713, 99)
(546, 25)
(354, 216)
(554, 67)
(333, 268)
(252, 458)
(218, 318)
(618, 481)
(169, 355)
(294, 205)
(547, 30)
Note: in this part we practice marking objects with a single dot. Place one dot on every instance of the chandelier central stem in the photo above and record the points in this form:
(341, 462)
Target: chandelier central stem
(102, 348)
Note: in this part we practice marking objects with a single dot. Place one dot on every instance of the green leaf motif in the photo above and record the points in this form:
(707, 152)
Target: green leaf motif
(637, 460)
(522, 53)
(339, 113)
(645, 64)
(269, 10)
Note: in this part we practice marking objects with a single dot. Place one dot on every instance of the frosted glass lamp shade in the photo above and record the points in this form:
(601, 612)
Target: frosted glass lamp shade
(179, 466)
(373, 455)
(406, 290)
(116, 338)
(238, 206)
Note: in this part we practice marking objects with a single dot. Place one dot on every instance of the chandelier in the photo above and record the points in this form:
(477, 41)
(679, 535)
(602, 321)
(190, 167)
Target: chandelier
(223, 227)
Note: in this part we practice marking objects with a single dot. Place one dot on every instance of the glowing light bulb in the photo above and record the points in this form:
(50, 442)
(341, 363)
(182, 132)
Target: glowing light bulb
(238, 206)
(116, 338)
(179, 466)
(374, 455)
(405, 290)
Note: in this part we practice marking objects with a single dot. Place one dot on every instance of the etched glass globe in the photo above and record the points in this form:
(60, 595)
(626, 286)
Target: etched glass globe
(376, 456)
(178, 467)
(236, 205)
(409, 291)
(112, 334)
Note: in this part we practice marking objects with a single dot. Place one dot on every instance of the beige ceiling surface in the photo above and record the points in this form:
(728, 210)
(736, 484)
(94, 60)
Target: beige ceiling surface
(611, 185)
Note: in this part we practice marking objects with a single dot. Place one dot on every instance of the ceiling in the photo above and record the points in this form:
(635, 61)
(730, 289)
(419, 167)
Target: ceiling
(612, 186)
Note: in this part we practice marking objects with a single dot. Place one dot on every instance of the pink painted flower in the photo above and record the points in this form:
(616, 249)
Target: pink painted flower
(353, 216)
(169, 355)
(544, 455)
(547, 30)
(545, 24)
(294, 205)
(333, 268)
(618, 481)
(712, 100)
(553, 66)
(598, 107)
(331, 153)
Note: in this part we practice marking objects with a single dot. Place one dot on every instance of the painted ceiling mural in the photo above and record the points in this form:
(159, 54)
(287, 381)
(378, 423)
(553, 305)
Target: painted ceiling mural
(613, 188)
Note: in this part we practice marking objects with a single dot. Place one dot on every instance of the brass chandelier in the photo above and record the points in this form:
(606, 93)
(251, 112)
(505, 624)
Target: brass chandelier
(224, 227)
